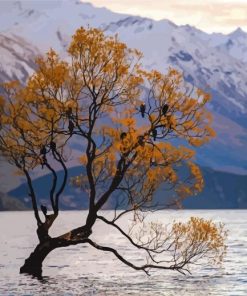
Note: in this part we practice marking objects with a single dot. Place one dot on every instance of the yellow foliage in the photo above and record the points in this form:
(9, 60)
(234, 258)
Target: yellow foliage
(99, 94)
(199, 236)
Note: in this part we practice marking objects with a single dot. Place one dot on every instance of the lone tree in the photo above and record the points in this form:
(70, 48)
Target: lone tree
(124, 118)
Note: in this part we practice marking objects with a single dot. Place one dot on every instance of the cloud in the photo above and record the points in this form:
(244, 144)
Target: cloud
(209, 15)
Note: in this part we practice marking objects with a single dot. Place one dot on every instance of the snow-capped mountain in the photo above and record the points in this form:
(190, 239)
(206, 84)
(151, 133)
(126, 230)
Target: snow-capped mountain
(215, 62)
(51, 23)
(235, 43)
(17, 58)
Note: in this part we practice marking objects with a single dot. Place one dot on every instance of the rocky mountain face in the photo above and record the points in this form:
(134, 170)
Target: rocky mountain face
(214, 62)
(17, 58)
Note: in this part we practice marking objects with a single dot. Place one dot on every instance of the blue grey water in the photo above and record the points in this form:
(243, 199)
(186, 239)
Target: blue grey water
(82, 270)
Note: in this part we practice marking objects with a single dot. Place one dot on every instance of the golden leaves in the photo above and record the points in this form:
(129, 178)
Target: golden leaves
(102, 88)
(51, 74)
(199, 236)
(102, 60)
(11, 85)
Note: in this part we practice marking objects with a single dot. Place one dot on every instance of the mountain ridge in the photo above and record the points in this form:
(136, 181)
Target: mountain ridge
(32, 27)
(222, 190)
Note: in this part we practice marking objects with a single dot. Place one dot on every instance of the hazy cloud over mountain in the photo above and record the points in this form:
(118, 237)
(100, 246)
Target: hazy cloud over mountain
(209, 15)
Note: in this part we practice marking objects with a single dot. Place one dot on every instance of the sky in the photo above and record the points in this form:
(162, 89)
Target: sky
(208, 15)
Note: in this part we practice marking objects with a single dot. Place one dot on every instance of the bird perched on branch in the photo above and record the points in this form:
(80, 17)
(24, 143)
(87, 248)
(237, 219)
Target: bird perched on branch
(123, 136)
(44, 209)
(165, 109)
(141, 140)
(143, 109)
(43, 151)
(154, 133)
(43, 162)
(53, 146)
(69, 112)
(71, 127)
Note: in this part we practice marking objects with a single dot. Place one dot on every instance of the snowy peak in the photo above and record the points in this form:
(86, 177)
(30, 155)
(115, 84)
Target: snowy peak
(17, 58)
(39, 21)
(238, 33)
(234, 44)
(130, 21)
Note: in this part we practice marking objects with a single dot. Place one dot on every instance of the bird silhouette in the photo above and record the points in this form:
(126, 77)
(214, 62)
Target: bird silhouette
(71, 127)
(165, 109)
(141, 140)
(43, 150)
(123, 136)
(53, 146)
(43, 209)
(154, 133)
(69, 112)
(143, 109)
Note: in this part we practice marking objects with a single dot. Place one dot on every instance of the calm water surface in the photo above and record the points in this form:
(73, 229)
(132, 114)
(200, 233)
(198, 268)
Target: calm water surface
(82, 270)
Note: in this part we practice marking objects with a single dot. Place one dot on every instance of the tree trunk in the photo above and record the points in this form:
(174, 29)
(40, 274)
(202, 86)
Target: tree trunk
(33, 264)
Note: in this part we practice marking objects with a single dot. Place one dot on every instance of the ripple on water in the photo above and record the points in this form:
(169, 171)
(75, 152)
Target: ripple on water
(81, 270)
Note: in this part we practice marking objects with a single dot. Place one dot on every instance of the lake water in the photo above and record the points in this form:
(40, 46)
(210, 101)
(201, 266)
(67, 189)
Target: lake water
(82, 270)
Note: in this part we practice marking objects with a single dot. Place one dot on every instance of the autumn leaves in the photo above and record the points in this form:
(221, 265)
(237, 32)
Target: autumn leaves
(105, 96)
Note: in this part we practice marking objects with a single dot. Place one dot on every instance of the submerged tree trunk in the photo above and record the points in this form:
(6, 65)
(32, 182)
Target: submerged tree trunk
(33, 264)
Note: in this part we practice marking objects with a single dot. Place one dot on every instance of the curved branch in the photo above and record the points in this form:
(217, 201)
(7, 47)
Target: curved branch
(145, 267)
(122, 167)
(147, 249)
(54, 184)
(58, 158)
(33, 197)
